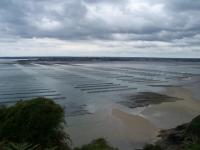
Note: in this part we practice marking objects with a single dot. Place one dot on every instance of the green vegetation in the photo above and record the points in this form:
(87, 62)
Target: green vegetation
(99, 144)
(152, 147)
(25, 146)
(38, 122)
(192, 147)
(193, 130)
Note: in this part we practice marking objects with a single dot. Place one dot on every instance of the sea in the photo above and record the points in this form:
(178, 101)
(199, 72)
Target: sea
(92, 92)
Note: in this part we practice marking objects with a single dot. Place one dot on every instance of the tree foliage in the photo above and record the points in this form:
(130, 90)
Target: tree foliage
(98, 144)
(38, 121)
(193, 130)
(152, 147)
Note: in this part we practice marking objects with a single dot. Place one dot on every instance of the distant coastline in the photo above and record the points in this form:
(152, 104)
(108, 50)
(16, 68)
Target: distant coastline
(96, 59)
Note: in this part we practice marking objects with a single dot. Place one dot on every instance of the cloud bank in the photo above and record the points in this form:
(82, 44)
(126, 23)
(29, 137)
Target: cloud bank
(156, 28)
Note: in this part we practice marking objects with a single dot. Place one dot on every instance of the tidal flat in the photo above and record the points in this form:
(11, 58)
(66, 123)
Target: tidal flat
(126, 102)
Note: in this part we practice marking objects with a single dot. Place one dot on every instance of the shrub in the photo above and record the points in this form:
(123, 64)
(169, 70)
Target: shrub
(193, 130)
(37, 121)
(192, 147)
(24, 146)
(98, 144)
(151, 147)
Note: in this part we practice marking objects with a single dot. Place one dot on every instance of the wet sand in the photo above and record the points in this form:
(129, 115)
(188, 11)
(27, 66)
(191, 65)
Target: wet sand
(121, 129)
(143, 127)
(135, 127)
(170, 114)
(128, 129)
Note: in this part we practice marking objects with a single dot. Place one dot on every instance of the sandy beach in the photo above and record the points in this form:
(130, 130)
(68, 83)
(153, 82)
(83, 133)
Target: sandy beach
(144, 127)
(126, 128)
(169, 115)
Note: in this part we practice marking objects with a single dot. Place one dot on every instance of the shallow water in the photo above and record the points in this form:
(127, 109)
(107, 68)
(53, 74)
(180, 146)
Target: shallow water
(89, 92)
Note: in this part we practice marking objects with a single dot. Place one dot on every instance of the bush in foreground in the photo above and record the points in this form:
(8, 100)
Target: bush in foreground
(192, 147)
(37, 121)
(152, 147)
(193, 130)
(98, 144)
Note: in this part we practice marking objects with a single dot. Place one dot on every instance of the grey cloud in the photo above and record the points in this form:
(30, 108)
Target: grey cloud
(106, 20)
(183, 5)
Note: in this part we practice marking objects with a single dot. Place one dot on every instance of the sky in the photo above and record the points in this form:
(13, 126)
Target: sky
(122, 28)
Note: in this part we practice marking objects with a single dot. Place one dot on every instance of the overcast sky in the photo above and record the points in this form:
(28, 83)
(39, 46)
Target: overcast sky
(154, 28)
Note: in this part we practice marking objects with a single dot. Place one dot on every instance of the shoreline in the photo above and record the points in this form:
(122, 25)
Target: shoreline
(170, 114)
(129, 129)
(155, 118)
